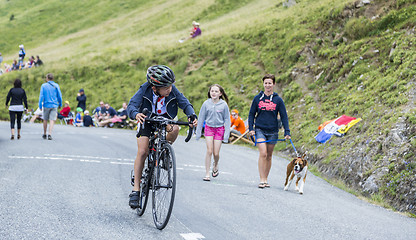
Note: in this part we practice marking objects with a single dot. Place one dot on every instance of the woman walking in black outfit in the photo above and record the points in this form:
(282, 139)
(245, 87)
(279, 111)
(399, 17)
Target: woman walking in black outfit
(18, 97)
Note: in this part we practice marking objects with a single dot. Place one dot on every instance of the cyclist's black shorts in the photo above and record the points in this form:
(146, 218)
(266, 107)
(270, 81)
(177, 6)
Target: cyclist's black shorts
(148, 128)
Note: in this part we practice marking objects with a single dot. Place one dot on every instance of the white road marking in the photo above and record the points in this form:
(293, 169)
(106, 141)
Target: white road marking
(188, 167)
(196, 166)
(192, 236)
(225, 184)
(94, 157)
(115, 161)
(121, 163)
(95, 161)
(56, 158)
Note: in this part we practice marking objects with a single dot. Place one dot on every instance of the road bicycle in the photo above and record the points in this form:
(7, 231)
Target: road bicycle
(159, 172)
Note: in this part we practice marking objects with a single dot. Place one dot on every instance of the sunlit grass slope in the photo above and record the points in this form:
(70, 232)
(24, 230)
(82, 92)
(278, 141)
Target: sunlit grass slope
(110, 43)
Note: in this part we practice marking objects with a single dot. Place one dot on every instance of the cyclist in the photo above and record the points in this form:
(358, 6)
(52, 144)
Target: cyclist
(160, 96)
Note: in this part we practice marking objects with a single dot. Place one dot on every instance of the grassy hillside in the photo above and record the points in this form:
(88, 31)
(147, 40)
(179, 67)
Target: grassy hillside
(331, 57)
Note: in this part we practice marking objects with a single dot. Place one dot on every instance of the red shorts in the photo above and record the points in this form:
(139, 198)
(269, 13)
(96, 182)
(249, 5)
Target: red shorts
(218, 132)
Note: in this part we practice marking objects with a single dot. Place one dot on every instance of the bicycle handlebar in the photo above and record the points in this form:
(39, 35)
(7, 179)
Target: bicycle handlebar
(163, 120)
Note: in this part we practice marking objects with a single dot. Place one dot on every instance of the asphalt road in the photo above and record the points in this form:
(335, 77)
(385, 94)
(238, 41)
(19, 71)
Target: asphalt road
(77, 185)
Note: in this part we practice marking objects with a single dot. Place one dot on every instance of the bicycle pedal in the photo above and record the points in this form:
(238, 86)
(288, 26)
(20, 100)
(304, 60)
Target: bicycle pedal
(132, 178)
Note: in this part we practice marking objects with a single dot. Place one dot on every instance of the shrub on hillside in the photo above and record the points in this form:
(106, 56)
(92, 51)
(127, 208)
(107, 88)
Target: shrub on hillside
(357, 28)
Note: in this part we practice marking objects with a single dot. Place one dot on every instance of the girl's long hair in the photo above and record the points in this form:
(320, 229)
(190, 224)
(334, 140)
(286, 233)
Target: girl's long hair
(223, 94)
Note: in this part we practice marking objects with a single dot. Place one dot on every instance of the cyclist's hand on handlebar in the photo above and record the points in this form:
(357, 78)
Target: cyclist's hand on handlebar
(194, 122)
(140, 117)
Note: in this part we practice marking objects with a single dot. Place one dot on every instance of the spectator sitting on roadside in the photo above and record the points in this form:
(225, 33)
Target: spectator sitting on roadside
(65, 111)
(116, 118)
(237, 124)
(37, 115)
(38, 62)
(109, 112)
(87, 121)
(78, 117)
(99, 112)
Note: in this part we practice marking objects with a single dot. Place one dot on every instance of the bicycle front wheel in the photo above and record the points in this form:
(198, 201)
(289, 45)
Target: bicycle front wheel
(163, 186)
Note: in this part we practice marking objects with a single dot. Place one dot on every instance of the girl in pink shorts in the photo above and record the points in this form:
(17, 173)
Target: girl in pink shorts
(216, 115)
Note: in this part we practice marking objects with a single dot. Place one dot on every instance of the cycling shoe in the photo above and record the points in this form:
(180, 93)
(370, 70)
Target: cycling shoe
(134, 199)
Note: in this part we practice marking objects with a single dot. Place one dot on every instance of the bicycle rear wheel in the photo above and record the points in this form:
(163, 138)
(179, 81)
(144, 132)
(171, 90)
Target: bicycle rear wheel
(163, 186)
(144, 188)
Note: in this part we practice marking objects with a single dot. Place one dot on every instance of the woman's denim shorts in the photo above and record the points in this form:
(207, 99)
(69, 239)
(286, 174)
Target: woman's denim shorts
(260, 133)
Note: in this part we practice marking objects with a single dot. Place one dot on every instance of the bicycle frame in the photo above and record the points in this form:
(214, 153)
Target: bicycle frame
(160, 172)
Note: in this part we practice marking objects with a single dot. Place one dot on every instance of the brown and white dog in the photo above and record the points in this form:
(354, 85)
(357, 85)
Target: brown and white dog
(299, 167)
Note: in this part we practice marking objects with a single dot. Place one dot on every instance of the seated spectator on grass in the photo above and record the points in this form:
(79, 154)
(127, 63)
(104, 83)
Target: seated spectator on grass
(78, 117)
(38, 62)
(37, 116)
(120, 117)
(193, 33)
(7, 68)
(15, 65)
(65, 111)
(197, 31)
(30, 63)
(237, 124)
(87, 121)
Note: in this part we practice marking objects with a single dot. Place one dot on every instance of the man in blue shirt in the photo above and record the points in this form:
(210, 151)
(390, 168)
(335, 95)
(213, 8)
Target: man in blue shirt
(50, 98)
(109, 111)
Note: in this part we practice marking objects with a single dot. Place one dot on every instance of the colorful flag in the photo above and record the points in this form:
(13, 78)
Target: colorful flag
(338, 127)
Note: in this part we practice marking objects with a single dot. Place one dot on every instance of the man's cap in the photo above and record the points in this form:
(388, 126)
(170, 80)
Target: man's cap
(234, 110)
(79, 109)
(86, 112)
(81, 90)
(67, 102)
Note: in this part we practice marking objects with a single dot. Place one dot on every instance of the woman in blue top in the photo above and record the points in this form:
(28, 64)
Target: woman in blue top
(264, 115)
